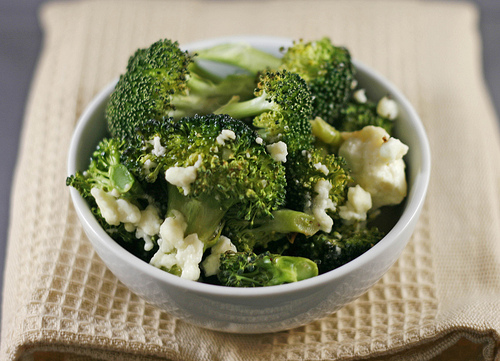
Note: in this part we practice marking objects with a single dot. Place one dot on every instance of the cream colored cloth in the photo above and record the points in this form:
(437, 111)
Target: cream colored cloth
(441, 298)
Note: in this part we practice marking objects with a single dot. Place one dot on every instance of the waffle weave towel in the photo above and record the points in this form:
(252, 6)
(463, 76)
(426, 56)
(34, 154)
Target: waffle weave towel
(442, 297)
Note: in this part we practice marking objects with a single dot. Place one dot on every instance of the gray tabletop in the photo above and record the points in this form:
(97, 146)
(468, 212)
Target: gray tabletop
(20, 43)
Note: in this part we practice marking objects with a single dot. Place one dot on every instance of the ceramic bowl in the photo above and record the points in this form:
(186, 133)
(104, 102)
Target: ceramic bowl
(267, 309)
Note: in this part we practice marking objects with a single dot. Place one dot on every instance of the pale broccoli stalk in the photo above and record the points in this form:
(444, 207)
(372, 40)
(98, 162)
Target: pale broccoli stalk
(247, 269)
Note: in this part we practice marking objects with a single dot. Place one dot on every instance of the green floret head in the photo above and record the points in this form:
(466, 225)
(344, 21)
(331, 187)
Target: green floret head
(106, 172)
(230, 171)
(279, 111)
(334, 249)
(306, 169)
(162, 81)
(247, 269)
(327, 69)
(355, 116)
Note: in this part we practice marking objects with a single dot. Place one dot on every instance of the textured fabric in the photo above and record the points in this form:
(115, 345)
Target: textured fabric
(439, 301)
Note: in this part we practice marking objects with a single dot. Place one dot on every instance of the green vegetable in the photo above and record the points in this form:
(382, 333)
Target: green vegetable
(356, 116)
(304, 170)
(246, 235)
(236, 174)
(327, 69)
(247, 269)
(280, 110)
(160, 81)
(334, 249)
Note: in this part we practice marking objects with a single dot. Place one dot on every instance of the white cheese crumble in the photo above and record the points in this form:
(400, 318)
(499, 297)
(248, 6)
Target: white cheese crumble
(148, 165)
(158, 149)
(176, 250)
(224, 135)
(358, 204)
(322, 168)
(259, 140)
(320, 204)
(114, 210)
(360, 96)
(278, 151)
(183, 176)
(376, 163)
(211, 264)
(387, 108)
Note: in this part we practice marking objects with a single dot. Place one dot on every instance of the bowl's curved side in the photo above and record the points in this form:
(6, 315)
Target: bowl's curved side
(265, 309)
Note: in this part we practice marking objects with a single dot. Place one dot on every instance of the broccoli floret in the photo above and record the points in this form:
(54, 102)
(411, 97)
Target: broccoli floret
(213, 165)
(247, 269)
(160, 81)
(106, 172)
(280, 110)
(356, 116)
(310, 174)
(246, 235)
(241, 55)
(327, 69)
(107, 179)
(334, 249)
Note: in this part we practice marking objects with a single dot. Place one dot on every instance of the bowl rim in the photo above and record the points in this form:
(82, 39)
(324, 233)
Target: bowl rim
(414, 201)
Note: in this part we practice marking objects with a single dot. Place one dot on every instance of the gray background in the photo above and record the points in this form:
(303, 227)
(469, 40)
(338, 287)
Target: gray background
(20, 44)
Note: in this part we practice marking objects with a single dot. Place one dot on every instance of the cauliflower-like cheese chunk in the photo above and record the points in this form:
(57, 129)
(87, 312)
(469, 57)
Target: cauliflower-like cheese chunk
(183, 176)
(176, 250)
(376, 163)
(388, 108)
(278, 151)
(358, 204)
(224, 135)
(320, 204)
(211, 264)
(115, 210)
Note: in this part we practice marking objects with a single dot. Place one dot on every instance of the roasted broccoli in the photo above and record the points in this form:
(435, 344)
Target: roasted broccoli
(356, 116)
(115, 196)
(326, 68)
(280, 110)
(213, 164)
(248, 234)
(334, 249)
(160, 82)
(316, 184)
(247, 269)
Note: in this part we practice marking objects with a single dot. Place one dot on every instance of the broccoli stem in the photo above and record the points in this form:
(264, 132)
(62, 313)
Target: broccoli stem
(203, 215)
(244, 109)
(326, 133)
(241, 55)
(289, 221)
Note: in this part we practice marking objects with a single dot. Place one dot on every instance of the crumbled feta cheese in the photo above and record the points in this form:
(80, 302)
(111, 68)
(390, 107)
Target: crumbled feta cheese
(148, 165)
(387, 108)
(376, 163)
(211, 264)
(258, 140)
(278, 151)
(183, 176)
(358, 204)
(322, 168)
(176, 250)
(150, 221)
(360, 96)
(113, 210)
(224, 135)
(320, 204)
(158, 149)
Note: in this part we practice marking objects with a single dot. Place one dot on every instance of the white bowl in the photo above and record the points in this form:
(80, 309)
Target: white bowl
(267, 309)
